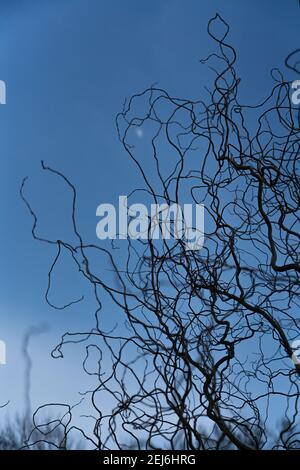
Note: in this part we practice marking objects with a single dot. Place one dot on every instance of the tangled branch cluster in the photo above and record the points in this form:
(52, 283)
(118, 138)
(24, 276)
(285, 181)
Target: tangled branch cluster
(201, 355)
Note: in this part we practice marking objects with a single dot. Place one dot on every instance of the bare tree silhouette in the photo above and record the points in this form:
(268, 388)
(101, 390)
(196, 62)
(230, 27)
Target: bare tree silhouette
(45, 433)
(201, 356)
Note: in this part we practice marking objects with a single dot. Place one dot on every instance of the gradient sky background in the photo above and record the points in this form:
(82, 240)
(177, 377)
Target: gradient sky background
(68, 65)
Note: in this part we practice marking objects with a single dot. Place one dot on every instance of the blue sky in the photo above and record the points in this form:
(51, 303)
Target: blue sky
(68, 65)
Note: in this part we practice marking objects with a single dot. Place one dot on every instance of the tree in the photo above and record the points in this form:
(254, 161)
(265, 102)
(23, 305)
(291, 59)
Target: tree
(49, 429)
(202, 358)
